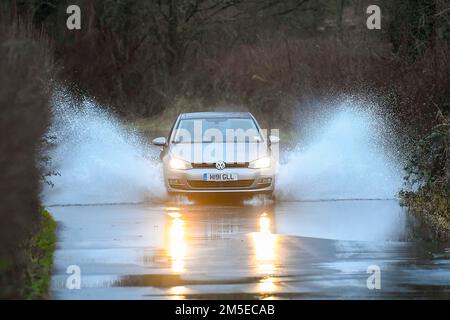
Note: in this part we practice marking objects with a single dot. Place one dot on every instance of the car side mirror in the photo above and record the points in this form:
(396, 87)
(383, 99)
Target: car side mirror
(274, 139)
(160, 141)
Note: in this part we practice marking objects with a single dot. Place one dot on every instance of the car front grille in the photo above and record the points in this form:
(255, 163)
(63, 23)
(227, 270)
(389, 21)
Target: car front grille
(227, 165)
(220, 184)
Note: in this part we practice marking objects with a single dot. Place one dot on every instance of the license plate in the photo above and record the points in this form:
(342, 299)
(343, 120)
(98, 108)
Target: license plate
(220, 176)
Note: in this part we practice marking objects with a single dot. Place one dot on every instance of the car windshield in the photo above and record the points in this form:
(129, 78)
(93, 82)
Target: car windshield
(217, 130)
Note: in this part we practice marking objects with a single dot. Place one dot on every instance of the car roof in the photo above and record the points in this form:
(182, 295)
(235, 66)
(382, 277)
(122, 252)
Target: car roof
(203, 115)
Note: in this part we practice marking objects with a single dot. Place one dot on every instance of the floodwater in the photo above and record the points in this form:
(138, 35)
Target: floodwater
(314, 242)
(279, 250)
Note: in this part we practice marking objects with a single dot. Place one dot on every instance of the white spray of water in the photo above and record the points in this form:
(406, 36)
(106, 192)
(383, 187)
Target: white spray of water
(345, 158)
(101, 161)
(98, 159)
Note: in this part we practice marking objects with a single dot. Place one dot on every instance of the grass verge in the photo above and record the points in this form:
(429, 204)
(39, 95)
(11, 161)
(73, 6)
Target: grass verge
(39, 253)
(428, 179)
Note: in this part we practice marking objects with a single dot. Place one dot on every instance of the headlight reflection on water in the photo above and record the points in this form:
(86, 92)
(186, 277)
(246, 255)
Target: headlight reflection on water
(265, 245)
(178, 292)
(264, 223)
(266, 285)
(177, 242)
(264, 258)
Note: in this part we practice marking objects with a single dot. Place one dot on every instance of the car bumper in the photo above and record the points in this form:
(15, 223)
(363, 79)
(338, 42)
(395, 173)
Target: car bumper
(191, 180)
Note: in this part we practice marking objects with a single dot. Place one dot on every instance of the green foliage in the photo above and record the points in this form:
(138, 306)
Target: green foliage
(36, 260)
(429, 166)
(26, 76)
(4, 265)
(40, 251)
(428, 174)
(432, 209)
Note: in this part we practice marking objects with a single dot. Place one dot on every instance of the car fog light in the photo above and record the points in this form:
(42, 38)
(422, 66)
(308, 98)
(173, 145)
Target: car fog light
(174, 181)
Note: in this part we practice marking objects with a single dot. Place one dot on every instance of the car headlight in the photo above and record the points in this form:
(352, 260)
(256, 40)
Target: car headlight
(179, 164)
(260, 163)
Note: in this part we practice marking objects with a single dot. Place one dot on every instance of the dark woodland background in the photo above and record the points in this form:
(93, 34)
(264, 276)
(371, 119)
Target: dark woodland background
(143, 58)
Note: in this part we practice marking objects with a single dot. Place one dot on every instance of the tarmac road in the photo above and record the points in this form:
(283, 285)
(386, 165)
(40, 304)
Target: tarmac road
(279, 250)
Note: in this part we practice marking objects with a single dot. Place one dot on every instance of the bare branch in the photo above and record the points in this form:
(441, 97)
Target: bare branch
(297, 6)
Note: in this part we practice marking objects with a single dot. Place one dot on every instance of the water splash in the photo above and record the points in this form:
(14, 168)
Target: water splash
(346, 157)
(99, 159)
(102, 161)
(258, 201)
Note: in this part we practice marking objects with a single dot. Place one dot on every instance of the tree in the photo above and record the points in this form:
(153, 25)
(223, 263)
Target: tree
(178, 23)
(415, 26)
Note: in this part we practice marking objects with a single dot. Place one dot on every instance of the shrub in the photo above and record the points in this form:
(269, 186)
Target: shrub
(428, 179)
(39, 254)
(429, 165)
(25, 77)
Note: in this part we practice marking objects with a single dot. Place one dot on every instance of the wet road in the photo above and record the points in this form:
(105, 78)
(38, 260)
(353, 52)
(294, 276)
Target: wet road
(284, 250)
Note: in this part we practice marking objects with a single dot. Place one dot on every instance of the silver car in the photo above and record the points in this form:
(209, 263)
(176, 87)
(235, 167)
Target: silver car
(218, 152)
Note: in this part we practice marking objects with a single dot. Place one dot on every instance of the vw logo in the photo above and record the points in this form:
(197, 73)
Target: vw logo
(220, 165)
